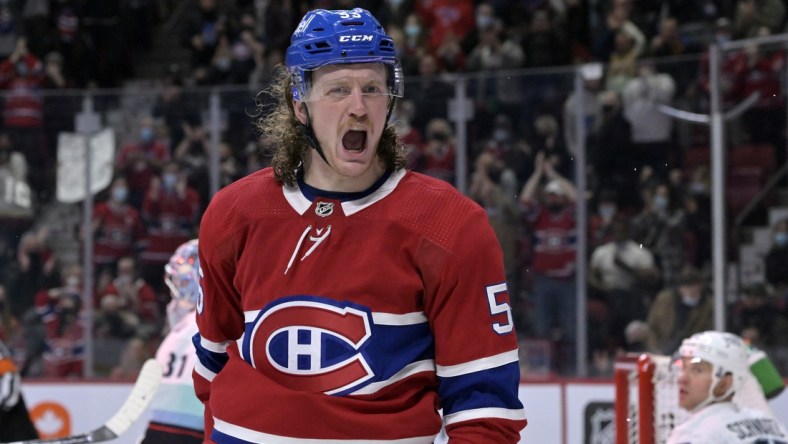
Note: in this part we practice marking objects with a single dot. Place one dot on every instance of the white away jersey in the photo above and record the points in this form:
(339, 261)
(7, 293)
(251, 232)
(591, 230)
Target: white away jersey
(176, 404)
(726, 423)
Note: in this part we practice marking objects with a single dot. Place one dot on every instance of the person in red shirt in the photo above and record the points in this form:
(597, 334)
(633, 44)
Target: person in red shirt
(117, 227)
(22, 77)
(446, 19)
(553, 226)
(134, 294)
(438, 151)
(59, 310)
(141, 160)
(170, 210)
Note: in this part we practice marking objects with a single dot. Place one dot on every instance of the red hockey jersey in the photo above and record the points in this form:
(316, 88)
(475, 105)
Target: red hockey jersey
(331, 317)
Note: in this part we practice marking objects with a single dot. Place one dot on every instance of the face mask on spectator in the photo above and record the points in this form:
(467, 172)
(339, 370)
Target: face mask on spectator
(607, 211)
(124, 279)
(169, 180)
(698, 188)
(689, 299)
(21, 69)
(781, 239)
(661, 203)
(439, 137)
(223, 63)
(501, 135)
(120, 194)
(484, 21)
(146, 134)
(555, 207)
(412, 30)
(723, 38)
(72, 281)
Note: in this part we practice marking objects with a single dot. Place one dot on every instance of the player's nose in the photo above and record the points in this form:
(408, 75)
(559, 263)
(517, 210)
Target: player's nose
(358, 105)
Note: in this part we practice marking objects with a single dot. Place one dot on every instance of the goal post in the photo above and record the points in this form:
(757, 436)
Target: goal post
(646, 403)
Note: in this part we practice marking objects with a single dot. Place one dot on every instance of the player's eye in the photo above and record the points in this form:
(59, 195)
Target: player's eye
(373, 90)
(338, 92)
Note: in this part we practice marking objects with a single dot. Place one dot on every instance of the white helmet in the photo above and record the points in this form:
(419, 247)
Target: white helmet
(726, 352)
(182, 276)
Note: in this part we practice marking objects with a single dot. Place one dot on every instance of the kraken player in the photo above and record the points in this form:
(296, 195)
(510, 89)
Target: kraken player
(176, 413)
(713, 367)
(345, 298)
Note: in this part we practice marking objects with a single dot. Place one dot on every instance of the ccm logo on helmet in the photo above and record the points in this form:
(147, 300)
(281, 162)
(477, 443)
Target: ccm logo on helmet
(356, 38)
(308, 344)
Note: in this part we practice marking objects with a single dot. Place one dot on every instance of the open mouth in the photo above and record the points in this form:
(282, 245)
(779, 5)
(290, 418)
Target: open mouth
(355, 140)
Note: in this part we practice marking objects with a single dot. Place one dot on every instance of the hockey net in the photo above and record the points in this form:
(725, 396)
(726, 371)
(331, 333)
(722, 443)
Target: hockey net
(646, 402)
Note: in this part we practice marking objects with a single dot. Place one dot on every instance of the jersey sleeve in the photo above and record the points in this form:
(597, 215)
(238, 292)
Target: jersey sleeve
(469, 310)
(219, 313)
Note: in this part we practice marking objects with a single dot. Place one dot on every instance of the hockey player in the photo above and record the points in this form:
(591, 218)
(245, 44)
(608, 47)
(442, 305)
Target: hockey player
(15, 421)
(176, 413)
(345, 298)
(762, 383)
(713, 366)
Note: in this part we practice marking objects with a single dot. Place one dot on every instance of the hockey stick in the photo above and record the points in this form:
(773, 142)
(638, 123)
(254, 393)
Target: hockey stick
(135, 405)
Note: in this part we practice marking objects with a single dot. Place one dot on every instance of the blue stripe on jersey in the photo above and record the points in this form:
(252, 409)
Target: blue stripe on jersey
(486, 388)
(211, 360)
(224, 438)
(392, 348)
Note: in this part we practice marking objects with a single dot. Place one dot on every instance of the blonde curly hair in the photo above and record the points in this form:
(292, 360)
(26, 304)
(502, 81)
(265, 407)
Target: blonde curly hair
(288, 146)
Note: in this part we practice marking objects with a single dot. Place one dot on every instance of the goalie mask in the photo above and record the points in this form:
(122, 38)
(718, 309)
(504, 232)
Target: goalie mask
(181, 274)
(726, 352)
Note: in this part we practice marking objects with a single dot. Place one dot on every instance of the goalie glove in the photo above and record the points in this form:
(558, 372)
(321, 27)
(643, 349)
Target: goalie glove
(9, 384)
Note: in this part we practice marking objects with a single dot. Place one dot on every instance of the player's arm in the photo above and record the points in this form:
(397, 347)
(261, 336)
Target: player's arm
(476, 351)
(219, 315)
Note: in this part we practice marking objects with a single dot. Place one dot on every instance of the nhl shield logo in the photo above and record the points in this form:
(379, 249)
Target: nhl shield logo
(324, 209)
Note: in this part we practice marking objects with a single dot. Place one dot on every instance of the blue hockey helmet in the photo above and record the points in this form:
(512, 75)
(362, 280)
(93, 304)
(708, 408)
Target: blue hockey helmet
(329, 37)
(182, 273)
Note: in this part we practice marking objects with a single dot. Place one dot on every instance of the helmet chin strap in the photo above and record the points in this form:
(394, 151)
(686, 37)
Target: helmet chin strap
(710, 399)
(311, 139)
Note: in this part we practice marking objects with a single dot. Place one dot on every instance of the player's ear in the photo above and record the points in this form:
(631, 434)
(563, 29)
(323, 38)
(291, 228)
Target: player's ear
(300, 111)
(723, 385)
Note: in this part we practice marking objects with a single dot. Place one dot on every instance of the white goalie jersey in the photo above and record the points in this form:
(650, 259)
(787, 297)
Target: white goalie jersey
(175, 403)
(726, 423)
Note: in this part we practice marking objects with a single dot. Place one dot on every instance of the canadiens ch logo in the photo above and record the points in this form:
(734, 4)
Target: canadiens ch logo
(324, 209)
(309, 344)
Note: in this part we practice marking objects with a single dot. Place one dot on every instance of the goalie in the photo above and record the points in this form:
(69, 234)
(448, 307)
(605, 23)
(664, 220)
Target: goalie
(712, 368)
(177, 414)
